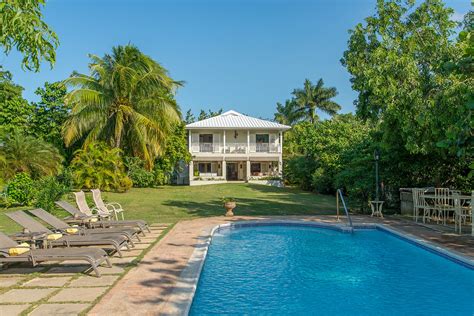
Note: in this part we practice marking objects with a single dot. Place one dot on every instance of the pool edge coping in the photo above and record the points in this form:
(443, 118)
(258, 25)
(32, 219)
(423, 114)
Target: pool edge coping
(195, 264)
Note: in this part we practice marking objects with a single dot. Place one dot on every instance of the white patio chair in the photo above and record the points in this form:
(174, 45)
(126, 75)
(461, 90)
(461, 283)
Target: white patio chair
(84, 207)
(110, 208)
(460, 213)
(442, 205)
(419, 203)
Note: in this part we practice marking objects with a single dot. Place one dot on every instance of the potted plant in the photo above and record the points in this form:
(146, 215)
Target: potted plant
(229, 205)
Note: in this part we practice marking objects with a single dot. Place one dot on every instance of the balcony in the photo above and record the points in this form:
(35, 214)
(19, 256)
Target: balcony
(235, 148)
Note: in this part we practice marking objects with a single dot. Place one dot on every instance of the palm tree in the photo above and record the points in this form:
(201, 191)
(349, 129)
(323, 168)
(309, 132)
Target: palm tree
(315, 97)
(23, 153)
(288, 114)
(127, 101)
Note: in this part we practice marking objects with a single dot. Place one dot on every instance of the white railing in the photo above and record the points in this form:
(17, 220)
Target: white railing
(264, 148)
(235, 148)
(205, 148)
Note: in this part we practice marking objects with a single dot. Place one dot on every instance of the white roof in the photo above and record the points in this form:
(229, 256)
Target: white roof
(236, 120)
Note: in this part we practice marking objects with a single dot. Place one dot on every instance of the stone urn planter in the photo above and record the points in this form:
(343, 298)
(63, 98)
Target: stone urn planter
(229, 205)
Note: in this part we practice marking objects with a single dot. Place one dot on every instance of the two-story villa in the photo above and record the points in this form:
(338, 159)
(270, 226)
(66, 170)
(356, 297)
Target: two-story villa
(235, 147)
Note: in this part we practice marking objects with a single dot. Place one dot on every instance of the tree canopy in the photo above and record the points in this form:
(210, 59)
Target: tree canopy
(127, 101)
(306, 102)
(22, 27)
(396, 63)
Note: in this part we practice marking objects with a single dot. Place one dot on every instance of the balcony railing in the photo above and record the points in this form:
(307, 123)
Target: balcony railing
(235, 148)
(205, 148)
(264, 148)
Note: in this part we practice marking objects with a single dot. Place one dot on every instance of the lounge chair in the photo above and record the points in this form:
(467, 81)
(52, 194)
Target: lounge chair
(65, 228)
(94, 256)
(113, 207)
(114, 240)
(84, 216)
(103, 213)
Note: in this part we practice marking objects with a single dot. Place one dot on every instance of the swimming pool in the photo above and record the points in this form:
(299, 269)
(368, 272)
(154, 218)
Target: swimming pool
(283, 270)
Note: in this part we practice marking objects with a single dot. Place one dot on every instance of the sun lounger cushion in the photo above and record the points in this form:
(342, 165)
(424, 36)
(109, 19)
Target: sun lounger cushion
(72, 230)
(54, 236)
(21, 249)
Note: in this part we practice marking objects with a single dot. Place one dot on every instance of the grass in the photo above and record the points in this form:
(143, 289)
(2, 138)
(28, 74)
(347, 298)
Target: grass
(169, 204)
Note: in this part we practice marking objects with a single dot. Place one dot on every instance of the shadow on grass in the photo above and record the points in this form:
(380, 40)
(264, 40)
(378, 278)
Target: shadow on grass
(275, 202)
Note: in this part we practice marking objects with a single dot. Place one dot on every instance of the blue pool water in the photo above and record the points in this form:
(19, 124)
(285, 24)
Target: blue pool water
(286, 270)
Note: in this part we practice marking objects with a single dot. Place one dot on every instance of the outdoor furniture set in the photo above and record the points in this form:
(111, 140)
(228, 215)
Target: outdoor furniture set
(71, 238)
(443, 206)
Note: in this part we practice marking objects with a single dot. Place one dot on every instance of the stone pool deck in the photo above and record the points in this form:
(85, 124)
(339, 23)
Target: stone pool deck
(163, 280)
(64, 288)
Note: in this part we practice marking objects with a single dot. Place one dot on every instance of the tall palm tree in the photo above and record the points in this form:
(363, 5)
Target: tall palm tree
(21, 153)
(288, 114)
(316, 97)
(126, 101)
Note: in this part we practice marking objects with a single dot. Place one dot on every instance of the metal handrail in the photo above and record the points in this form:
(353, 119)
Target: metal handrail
(339, 194)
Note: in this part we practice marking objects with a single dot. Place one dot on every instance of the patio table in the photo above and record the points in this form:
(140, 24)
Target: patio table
(31, 236)
(464, 200)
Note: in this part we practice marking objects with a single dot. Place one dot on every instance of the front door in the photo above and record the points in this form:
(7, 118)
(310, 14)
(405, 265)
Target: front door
(232, 171)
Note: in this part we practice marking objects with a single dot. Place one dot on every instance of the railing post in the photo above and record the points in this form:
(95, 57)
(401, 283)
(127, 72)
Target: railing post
(337, 204)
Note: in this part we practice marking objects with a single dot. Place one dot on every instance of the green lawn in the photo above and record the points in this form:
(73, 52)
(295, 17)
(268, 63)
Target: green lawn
(171, 203)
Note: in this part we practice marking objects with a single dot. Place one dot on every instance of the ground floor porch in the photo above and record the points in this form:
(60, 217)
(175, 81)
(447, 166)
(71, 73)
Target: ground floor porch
(202, 171)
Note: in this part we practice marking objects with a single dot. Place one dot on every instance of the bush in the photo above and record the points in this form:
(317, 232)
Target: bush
(49, 190)
(98, 166)
(141, 178)
(20, 190)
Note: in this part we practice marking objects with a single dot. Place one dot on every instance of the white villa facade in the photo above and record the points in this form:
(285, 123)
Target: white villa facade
(235, 147)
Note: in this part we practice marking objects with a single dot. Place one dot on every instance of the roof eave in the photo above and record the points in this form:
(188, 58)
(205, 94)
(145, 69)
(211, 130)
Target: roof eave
(283, 128)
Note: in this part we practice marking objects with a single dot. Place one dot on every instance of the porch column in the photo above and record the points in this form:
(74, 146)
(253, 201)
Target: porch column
(224, 169)
(223, 141)
(248, 169)
(189, 141)
(280, 166)
(248, 141)
(191, 171)
(280, 150)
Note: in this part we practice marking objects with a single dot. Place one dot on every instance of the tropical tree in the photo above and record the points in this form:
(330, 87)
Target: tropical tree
(189, 117)
(15, 111)
(99, 166)
(126, 101)
(49, 114)
(22, 27)
(205, 115)
(315, 97)
(288, 114)
(22, 153)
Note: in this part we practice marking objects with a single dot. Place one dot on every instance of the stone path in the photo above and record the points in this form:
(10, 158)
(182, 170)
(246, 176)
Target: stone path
(160, 283)
(64, 288)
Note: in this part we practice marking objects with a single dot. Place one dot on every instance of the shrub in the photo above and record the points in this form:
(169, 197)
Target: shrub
(98, 166)
(20, 190)
(138, 174)
(49, 190)
(22, 153)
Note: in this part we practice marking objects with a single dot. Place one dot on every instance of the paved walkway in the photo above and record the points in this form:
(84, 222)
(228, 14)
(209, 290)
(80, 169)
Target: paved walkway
(155, 287)
(63, 288)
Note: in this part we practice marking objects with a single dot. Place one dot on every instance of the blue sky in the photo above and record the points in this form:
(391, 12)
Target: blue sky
(235, 54)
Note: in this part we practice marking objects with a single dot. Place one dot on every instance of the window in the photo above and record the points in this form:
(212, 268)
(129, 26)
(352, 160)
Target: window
(204, 167)
(205, 138)
(262, 138)
(255, 168)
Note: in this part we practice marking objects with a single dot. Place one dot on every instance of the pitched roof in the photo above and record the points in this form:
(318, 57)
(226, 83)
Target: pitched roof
(236, 120)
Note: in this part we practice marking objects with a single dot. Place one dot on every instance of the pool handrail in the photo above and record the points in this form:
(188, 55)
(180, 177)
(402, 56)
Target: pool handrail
(339, 194)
